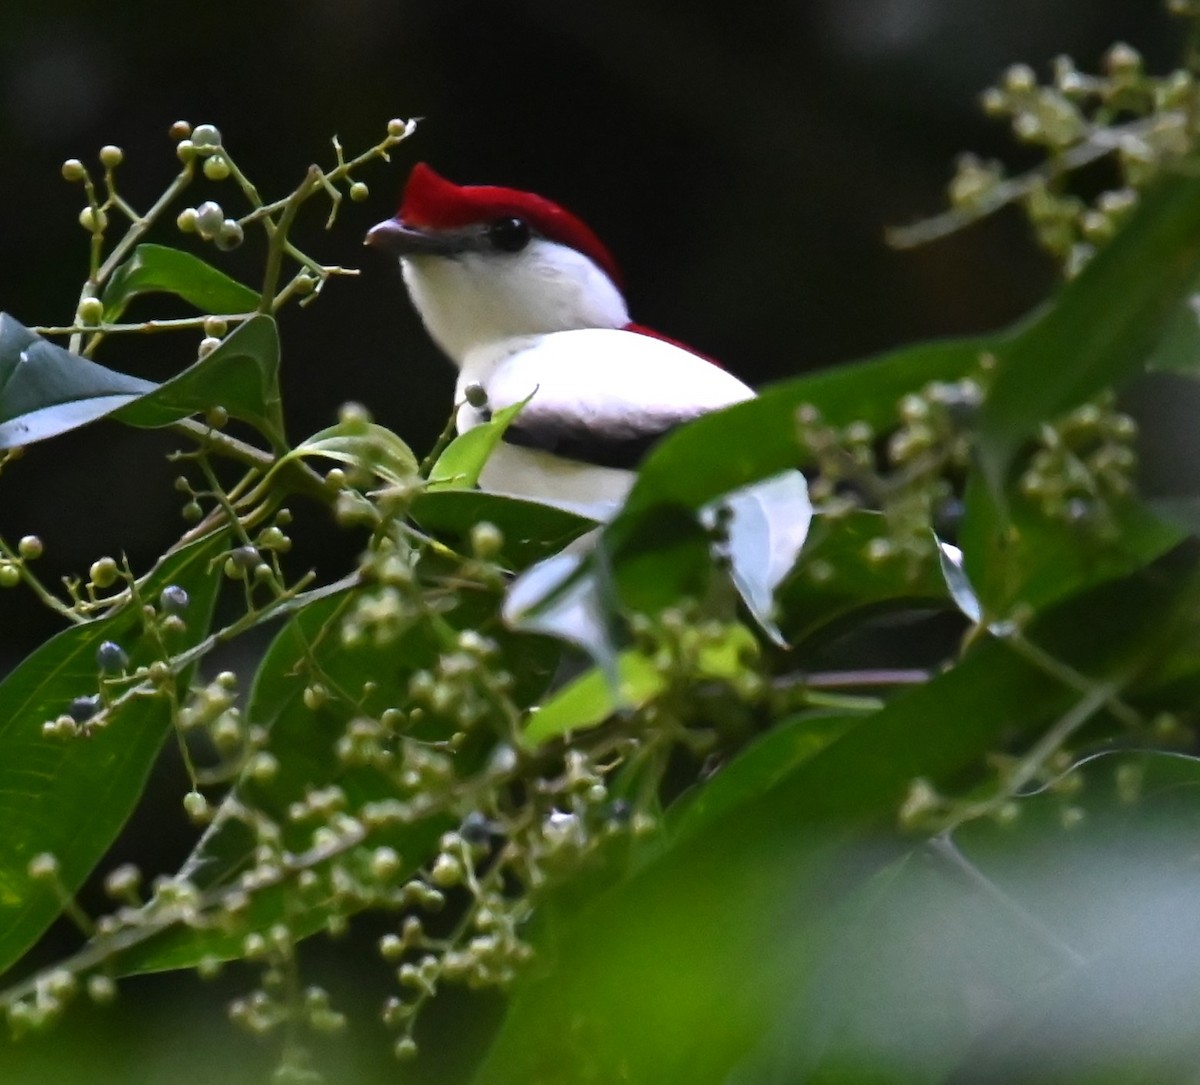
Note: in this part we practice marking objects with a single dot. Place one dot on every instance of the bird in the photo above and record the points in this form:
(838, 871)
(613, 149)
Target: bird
(528, 303)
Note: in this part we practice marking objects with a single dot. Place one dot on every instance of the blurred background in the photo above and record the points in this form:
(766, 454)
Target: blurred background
(740, 160)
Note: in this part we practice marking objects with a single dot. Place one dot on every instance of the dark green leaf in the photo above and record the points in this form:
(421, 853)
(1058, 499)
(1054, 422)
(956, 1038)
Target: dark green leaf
(70, 797)
(46, 390)
(241, 375)
(734, 447)
(531, 530)
(364, 445)
(158, 269)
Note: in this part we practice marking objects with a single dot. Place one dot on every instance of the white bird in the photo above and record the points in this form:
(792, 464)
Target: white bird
(526, 301)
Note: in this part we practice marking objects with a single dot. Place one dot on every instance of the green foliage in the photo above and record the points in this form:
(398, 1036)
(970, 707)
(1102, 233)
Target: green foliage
(688, 786)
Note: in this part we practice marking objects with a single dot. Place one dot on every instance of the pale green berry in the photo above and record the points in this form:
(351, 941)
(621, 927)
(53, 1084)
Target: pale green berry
(359, 192)
(486, 540)
(73, 170)
(30, 547)
(216, 168)
(196, 806)
(93, 219)
(111, 156)
(90, 311)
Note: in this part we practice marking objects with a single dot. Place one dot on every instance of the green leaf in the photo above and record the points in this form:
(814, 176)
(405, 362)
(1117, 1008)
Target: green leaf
(364, 445)
(460, 465)
(731, 448)
(759, 767)
(752, 922)
(1103, 327)
(531, 530)
(46, 390)
(1178, 348)
(158, 269)
(71, 797)
(592, 698)
(241, 375)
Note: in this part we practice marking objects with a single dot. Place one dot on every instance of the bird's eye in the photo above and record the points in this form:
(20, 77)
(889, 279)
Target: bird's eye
(509, 235)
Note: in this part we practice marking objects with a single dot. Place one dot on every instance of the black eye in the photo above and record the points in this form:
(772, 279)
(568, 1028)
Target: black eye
(509, 235)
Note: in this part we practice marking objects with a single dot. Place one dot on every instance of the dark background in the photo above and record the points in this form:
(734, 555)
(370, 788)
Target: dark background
(741, 161)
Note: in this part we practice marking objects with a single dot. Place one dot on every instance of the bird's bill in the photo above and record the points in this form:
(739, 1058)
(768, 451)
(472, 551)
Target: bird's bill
(393, 236)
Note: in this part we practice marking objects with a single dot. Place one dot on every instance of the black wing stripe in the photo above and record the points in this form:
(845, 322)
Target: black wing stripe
(600, 449)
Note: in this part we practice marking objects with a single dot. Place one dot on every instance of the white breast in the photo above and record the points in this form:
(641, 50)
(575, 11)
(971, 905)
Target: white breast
(582, 382)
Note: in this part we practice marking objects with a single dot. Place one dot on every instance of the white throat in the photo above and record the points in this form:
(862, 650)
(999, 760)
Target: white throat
(475, 300)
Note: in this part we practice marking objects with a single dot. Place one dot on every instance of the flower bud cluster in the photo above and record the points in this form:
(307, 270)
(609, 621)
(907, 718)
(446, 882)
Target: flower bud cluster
(1143, 122)
(911, 475)
(1084, 464)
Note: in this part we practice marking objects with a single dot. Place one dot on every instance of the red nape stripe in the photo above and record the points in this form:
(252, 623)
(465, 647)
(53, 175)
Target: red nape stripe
(431, 202)
(641, 329)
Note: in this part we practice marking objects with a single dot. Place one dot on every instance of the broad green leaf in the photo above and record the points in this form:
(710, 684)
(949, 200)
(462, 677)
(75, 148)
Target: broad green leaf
(459, 466)
(736, 923)
(1102, 328)
(71, 797)
(46, 390)
(759, 767)
(364, 445)
(158, 269)
(1178, 348)
(531, 530)
(591, 698)
(241, 375)
(723, 451)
